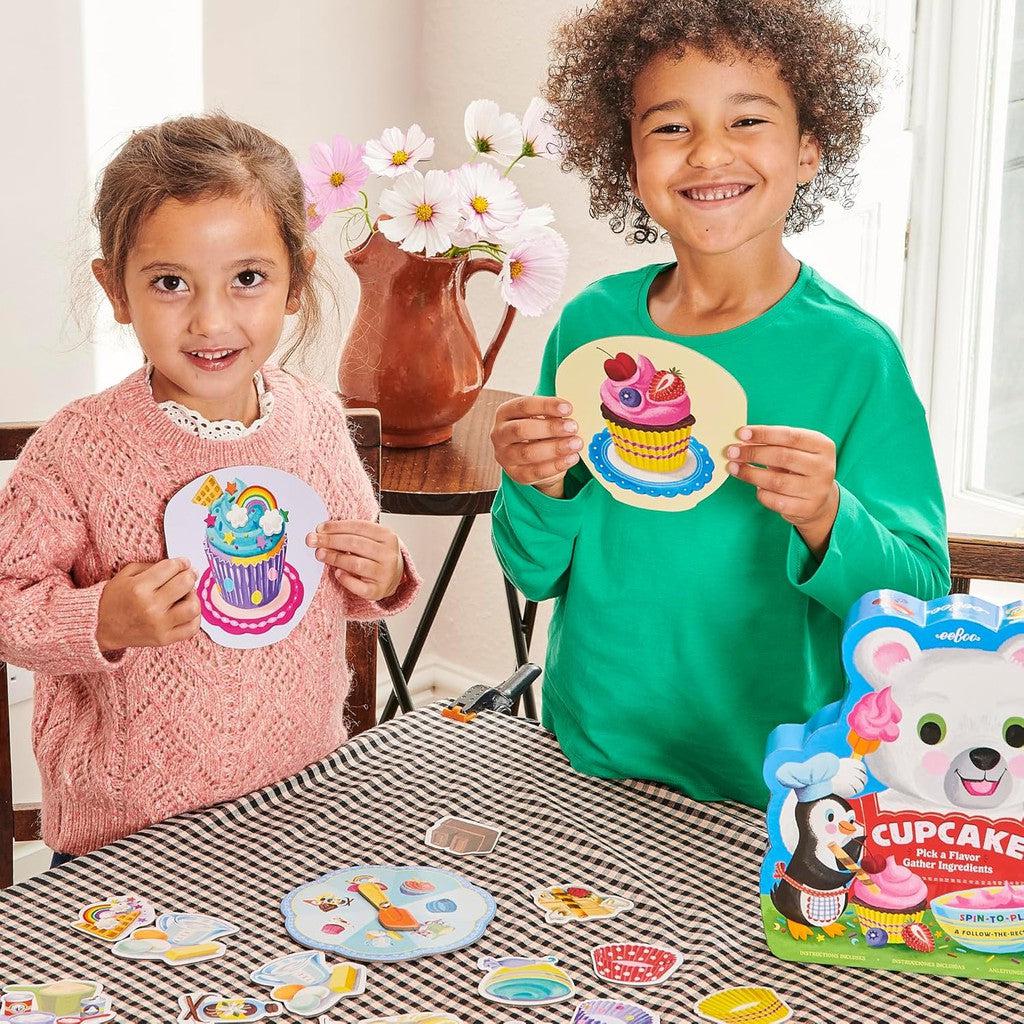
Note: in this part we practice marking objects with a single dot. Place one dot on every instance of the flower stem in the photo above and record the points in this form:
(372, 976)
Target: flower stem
(514, 162)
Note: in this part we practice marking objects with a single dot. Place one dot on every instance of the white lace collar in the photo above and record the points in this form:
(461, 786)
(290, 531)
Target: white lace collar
(216, 430)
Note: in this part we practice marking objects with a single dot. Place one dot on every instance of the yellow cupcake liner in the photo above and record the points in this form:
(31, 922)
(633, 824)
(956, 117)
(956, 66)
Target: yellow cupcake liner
(891, 923)
(745, 1005)
(657, 451)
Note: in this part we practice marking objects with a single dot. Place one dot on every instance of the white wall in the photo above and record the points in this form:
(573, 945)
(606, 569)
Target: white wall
(43, 179)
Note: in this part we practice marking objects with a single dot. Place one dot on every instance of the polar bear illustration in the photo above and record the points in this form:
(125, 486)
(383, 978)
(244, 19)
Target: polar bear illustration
(961, 741)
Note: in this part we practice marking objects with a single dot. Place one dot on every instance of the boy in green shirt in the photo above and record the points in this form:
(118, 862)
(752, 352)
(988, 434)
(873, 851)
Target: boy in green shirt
(679, 640)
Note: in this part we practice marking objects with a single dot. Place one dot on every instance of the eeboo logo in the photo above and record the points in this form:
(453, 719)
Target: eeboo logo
(958, 636)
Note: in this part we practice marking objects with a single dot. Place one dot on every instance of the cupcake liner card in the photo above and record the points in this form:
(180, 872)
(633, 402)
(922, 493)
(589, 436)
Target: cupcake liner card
(244, 530)
(655, 418)
(896, 821)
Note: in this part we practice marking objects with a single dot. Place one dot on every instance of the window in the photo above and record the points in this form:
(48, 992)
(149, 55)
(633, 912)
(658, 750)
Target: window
(966, 254)
(999, 462)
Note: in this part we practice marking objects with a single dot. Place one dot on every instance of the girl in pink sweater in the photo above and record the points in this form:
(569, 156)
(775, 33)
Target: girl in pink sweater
(138, 714)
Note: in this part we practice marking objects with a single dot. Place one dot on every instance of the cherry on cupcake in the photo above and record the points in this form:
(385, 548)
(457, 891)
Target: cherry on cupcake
(619, 367)
(872, 863)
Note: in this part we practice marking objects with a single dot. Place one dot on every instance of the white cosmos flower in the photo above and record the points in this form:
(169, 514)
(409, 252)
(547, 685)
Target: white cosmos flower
(397, 152)
(539, 137)
(533, 271)
(492, 133)
(424, 212)
(489, 203)
(532, 218)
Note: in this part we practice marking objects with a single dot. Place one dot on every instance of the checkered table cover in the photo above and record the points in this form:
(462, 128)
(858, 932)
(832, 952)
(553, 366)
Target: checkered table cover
(692, 870)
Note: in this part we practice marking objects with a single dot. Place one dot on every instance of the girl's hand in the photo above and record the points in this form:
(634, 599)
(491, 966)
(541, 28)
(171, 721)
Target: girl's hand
(799, 481)
(148, 605)
(535, 443)
(367, 556)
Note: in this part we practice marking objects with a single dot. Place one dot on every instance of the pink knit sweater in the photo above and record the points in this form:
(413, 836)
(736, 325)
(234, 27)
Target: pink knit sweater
(128, 739)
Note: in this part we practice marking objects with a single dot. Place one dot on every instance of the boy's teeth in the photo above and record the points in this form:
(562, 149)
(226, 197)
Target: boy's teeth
(707, 194)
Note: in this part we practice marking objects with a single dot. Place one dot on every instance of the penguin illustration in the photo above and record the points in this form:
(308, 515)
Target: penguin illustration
(825, 840)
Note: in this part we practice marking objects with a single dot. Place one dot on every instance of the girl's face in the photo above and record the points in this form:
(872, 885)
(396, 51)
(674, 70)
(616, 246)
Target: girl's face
(717, 152)
(206, 290)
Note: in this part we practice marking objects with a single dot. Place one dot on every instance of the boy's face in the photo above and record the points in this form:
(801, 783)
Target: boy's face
(717, 153)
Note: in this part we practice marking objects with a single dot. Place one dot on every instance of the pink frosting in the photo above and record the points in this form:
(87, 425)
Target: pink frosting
(876, 717)
(654, 414)
(1006, 897)
(900, 888)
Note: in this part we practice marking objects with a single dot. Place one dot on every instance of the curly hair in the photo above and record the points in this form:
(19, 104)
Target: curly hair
(833, 70)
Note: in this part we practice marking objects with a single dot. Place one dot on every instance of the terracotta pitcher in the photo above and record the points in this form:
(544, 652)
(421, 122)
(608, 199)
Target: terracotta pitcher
(412, 351)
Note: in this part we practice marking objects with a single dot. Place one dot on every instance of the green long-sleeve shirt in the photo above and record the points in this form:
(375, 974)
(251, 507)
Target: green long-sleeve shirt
(679, 640)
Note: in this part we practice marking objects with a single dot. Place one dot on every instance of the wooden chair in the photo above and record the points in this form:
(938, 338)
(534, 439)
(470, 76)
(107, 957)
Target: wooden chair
(20, 822)
(984, 558)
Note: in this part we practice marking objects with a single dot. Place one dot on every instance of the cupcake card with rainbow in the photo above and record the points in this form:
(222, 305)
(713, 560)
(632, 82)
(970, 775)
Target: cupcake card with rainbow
(234, 525)
(896, 819)
(655, 418)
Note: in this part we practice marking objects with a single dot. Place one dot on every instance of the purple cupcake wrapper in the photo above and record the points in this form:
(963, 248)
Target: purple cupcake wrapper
(247, 578)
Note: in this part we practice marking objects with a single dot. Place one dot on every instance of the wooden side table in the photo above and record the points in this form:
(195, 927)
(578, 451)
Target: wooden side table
(456, 478)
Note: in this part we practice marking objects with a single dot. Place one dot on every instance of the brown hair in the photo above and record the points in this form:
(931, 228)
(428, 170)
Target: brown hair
(827, 64)
(204, 157)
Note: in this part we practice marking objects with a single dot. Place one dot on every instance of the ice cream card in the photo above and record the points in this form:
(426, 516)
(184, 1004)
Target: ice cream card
(244, 529)
(655, 418)
(896, 819)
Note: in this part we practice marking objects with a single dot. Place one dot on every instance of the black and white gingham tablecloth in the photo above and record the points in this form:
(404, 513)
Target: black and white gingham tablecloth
(692, 870)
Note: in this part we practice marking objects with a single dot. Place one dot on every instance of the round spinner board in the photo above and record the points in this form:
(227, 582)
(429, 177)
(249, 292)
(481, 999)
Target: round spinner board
(329, 913)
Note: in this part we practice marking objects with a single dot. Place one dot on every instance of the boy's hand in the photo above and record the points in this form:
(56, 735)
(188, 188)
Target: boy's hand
(148, 605)
(800, 479)
(535, 443)
(366, 555)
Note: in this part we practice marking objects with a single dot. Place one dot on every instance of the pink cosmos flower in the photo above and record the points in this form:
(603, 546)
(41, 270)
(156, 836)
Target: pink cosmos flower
(533, 271)
(334, 174)
(313, 218)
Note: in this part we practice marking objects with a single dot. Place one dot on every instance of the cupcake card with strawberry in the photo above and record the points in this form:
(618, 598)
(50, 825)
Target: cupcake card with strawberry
(233, 524)
(896, 820)
(654, 417)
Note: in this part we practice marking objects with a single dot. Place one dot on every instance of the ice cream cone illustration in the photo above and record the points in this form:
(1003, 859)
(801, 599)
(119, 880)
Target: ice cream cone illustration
(873, 719)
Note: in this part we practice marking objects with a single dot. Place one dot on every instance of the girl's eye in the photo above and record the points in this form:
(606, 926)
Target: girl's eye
(169, 283)
(750, 120)
(250, 278)
(670, 129)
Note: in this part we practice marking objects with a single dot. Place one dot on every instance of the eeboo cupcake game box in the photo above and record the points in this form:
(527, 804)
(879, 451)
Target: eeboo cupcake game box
(896, 819)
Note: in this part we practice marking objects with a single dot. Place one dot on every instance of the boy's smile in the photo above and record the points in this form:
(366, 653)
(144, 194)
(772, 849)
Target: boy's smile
(717, 150)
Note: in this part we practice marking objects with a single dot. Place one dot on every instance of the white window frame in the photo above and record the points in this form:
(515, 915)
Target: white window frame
(961, 86)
